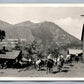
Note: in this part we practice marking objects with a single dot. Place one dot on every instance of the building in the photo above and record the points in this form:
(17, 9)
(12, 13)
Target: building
(82, 39)
(10, 58)
(11, 43)
(74, 52)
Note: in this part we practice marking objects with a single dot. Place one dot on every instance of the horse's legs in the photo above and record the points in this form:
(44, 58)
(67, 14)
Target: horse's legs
(77, 60)
(35, 66)
(49, 70)
(39, 67)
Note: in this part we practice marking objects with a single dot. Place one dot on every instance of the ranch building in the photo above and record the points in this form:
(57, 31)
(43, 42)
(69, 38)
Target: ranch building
(74, 52)
(82, 39)
(10, 59)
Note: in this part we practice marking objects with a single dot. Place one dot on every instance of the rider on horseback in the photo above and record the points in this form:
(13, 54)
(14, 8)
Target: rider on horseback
(49, 63)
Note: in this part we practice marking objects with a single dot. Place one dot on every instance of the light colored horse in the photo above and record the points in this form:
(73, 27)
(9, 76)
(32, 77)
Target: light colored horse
(39, 63)
(68, 59)
(60, 62)
(55, 61)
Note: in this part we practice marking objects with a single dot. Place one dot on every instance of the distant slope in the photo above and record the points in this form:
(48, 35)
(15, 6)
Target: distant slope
(50, 34)
(20, 32)
(4, 25)
(25, 23)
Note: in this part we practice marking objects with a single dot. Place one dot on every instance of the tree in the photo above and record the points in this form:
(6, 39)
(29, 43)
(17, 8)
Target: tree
(54, 52)
(2, 34)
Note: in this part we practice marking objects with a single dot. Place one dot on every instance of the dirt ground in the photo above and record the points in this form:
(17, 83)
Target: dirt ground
(75, 70)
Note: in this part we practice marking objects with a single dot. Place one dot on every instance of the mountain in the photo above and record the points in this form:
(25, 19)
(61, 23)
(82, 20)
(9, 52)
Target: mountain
(25, 23)
(4, 25)
(50, 34)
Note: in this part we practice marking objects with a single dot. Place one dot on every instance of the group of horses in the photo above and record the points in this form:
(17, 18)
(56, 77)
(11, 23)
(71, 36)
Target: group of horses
(55, 62)
(49, 63)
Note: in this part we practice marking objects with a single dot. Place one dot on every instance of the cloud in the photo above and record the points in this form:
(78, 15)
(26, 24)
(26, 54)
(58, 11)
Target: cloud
(71, 25)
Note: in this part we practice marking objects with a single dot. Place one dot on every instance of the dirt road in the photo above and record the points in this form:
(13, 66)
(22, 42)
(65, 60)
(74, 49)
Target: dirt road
(76, 70)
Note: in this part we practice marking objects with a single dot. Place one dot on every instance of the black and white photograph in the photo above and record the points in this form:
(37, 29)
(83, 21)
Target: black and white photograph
(41, 42)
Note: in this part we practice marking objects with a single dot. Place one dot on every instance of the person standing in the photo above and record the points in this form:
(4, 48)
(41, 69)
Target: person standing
(77, 58)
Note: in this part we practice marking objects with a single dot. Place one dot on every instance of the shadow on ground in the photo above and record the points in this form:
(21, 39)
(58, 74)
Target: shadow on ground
(65, 71)
(66, 67)
(71, 65)
(43, 69)
(54, 72)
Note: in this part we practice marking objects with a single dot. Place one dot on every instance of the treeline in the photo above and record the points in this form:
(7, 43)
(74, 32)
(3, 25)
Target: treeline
(74, 45)
(36, 49)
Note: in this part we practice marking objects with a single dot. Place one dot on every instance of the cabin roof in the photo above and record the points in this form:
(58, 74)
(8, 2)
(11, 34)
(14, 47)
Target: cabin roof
(10, 55)
(75, 51)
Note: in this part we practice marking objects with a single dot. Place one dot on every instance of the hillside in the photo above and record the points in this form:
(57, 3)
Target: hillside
(4, 25)
(50, 34)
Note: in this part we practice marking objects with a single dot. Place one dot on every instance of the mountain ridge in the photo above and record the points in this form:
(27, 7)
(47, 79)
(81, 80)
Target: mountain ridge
(49, 33)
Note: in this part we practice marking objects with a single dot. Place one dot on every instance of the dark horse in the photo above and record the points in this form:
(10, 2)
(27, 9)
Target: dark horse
(50, 64)
(76, 59)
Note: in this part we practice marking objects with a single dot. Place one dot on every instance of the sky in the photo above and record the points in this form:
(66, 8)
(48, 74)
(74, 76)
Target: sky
(67, 17)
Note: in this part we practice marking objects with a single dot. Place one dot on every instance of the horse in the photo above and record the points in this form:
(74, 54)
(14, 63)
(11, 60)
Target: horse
(50, 64)
(60, 62)
(68, 59)
(76, 58)
(39, 63)
(55, 61)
